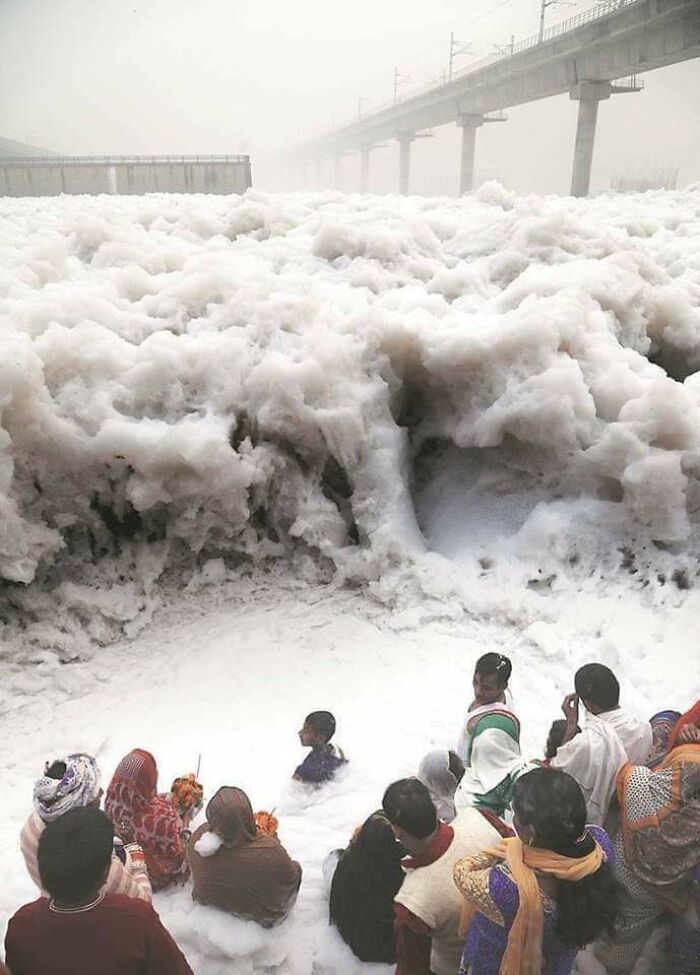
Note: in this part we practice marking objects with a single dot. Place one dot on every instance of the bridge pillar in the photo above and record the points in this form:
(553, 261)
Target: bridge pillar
(364, 168)
(468, 124)
(317, 173)
(337, 171)
(405, 140)
(587, 94)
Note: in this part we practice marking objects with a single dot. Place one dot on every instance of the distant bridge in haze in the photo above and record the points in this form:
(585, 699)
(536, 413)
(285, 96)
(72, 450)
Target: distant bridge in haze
(592, 56)
(54, 175)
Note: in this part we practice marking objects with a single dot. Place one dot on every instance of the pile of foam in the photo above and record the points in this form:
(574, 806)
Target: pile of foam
(190, 378)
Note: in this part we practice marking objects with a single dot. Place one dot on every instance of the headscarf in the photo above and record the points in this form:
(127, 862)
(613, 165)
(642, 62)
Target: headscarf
(230, 816)
(662, 725)
(79, 786)
(691, 716)
(434, 772)
(250, 874)
(660, 812)
(366, 880)
(523, 954)
(156, 823)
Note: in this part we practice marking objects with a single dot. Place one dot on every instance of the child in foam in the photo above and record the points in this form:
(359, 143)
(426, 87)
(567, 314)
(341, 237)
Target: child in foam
(325, 759)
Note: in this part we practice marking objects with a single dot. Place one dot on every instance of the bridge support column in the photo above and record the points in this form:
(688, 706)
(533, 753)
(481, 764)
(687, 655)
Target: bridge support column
(364, 168)
(588, 94)
(405, 140)
(337, 171)
(317, 173)
(468, 124)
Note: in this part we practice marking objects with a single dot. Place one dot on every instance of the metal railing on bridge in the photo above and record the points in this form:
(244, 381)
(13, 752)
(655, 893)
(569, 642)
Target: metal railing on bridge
(115, 160)
(603, 9)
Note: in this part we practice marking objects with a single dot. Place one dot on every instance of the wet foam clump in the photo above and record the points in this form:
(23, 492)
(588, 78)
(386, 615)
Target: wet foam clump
(190, 379)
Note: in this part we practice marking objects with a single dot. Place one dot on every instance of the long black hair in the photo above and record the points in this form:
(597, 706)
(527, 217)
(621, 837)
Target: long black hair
(552, 803)
(365, 882)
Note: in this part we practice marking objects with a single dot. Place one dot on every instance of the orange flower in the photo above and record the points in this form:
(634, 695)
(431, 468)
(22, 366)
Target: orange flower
(186, 792)
(266, 823)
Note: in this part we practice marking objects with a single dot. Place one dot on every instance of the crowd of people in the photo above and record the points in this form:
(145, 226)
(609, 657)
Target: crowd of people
(487, 862)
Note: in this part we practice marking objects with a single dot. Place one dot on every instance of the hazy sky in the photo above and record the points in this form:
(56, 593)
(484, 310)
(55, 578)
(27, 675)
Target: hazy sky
(156, 76)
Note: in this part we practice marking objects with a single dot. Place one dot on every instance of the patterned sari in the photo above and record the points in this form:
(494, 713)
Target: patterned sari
(657, 852)
(157, 826)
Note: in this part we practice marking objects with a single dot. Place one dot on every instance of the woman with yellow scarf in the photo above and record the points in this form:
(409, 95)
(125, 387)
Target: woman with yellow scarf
(532, 902)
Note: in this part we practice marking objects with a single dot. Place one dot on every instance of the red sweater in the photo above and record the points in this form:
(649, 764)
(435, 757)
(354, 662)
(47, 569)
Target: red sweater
(118, 936)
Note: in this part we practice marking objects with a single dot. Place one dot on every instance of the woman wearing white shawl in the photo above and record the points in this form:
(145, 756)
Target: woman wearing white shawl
(489, 742)
(441, 772)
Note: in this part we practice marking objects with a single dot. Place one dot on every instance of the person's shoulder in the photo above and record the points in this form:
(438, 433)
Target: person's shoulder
(34, 825)
(581, 742)
(125, 905)
(30, 911)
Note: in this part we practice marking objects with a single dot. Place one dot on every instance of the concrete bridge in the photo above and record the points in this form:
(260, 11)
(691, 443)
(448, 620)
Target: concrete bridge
(53, 175)
(586, 56)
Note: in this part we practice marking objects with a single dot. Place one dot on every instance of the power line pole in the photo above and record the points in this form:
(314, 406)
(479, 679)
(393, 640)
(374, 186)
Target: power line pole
(506, 49)
(543, 8)
(456, 48)
(398, 81)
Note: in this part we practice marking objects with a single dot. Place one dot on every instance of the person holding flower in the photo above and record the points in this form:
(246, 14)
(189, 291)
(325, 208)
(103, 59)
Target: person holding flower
(132, 800)
(238, 867)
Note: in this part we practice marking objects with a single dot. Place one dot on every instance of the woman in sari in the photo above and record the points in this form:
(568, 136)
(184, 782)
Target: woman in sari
(132, 797)
(366, 880)
(536, 899)
(237, 868)
(657, 851)
(73, 782)
(489, 743)
(662, 726)
(441, 771)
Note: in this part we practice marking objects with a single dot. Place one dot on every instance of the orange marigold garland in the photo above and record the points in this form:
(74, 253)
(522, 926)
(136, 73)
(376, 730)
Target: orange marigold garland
(187, 793)
(266, 823)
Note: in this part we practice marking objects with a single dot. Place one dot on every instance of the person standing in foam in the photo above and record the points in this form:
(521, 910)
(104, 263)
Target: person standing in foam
(611, 737)
(489, 740)
(428, 905)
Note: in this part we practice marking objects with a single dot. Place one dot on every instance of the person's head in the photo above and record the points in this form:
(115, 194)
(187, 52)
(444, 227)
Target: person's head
(410, 810)
(491, 675)
(550, 813)
(230, 816)
(456, 766)
(365, 881)
(375, 841)
(317, 730)
(597, 688)
(68, 783)
(441, 771)
(134, 784)
(549, 810)
(556, 737)
(75, 853)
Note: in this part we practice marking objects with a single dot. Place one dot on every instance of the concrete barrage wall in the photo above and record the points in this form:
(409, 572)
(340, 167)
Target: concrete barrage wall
(51, 176)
